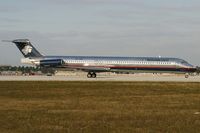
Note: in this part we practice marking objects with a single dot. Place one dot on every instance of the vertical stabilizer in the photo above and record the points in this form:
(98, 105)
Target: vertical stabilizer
(26, 48)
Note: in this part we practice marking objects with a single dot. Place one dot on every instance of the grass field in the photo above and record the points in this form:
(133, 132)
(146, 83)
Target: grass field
(99, 107)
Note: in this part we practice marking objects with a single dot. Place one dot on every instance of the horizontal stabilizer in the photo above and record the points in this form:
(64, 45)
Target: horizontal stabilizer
(7, 41)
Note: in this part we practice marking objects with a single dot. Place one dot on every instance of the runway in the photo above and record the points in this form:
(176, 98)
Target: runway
(154, 78)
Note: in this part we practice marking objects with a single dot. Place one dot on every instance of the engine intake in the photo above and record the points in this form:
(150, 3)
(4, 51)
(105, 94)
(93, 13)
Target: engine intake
(51, 63)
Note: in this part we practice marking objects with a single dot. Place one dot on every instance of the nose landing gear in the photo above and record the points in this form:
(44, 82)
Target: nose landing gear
(91, 75)
(186, 75)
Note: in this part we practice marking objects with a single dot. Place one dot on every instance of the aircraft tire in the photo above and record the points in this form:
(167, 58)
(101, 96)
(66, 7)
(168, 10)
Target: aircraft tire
(186, 75)
(94, 75)
(89, 75)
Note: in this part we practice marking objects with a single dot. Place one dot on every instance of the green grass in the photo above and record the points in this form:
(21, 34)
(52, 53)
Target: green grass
(99, 107)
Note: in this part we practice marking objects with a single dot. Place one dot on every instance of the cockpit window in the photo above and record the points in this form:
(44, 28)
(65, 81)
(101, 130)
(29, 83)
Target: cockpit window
(184, 62)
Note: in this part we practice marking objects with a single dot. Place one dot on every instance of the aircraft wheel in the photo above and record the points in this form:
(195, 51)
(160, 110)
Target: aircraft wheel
(89, 75)
(186, 76)
(94, 75)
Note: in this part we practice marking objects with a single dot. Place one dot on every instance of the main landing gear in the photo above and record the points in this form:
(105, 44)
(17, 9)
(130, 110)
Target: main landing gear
(91, 75)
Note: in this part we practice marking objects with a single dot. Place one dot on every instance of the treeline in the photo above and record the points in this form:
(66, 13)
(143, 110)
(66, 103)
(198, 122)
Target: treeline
(24, 69)
(198, 69)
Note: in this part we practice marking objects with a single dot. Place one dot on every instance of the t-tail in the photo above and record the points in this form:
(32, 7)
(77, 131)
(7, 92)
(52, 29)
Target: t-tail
(26, 48)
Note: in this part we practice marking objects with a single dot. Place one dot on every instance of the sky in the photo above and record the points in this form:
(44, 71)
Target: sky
(166, 28)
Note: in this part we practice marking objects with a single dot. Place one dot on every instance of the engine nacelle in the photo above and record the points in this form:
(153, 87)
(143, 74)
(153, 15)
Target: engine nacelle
(51, 63)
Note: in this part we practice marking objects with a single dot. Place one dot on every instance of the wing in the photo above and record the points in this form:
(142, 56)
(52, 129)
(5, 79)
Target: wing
(93, 69)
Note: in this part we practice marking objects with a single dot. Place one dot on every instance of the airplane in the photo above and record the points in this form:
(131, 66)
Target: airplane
(96, 64)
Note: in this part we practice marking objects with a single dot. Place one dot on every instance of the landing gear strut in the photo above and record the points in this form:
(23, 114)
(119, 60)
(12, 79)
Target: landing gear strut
(91, 75)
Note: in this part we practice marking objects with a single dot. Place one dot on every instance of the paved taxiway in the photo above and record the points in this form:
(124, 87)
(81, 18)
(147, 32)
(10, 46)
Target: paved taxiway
(168, 78)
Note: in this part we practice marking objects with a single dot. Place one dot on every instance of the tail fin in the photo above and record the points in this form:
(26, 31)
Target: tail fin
(26, 48)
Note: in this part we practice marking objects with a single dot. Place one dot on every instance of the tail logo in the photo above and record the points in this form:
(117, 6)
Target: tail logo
(27, 49)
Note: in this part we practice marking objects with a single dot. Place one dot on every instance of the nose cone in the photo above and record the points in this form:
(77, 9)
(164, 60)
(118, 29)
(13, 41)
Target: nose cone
(198, 69)
(190, 66)
(192, 69)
